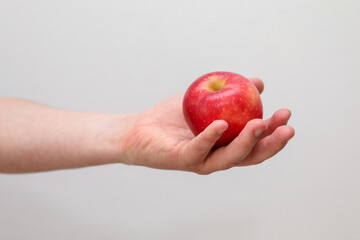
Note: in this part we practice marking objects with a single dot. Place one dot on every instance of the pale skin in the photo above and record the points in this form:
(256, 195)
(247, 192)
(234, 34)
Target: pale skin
(34, 138)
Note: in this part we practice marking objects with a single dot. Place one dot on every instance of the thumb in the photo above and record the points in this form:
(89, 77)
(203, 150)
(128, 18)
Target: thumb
(200, 146)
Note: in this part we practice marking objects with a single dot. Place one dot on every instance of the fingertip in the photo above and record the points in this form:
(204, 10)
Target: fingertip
(270, 145)
(285, 111)
(286, 133)
(258, 83)
(221, 126)
(254, 128)
(204, 141)
(291, 132)
(280, 117)
(257, 124)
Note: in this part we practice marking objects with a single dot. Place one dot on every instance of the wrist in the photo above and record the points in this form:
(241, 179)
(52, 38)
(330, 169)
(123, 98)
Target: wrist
(118, 133)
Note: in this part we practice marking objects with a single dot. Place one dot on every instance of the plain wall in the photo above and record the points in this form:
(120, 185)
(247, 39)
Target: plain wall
(125, 56)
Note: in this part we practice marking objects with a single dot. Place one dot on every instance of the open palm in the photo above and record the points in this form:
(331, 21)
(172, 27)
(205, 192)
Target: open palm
(162, 139)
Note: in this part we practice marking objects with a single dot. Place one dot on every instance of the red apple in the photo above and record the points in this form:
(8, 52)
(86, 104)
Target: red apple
(221, 95)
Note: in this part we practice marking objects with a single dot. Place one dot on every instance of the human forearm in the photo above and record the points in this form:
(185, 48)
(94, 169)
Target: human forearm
(34, 137)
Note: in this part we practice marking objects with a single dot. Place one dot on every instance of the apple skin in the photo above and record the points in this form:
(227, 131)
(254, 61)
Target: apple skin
(221, 96)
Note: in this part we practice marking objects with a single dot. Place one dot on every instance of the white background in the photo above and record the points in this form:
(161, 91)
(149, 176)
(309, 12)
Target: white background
(125, 56)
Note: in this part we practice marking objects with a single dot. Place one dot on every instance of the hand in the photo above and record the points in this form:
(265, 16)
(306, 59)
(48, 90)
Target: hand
(161, 139)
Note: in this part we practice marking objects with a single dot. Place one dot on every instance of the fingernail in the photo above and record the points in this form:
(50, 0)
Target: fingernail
(222, 130)
(258, 132)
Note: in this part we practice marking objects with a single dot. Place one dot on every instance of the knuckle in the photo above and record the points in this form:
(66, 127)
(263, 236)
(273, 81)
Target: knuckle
(202, 170)
(203, 173)
(232, 164)
(208, 138)
(245, 146)
(257, 161)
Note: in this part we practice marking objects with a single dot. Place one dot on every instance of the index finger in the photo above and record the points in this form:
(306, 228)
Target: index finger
(258, 83)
